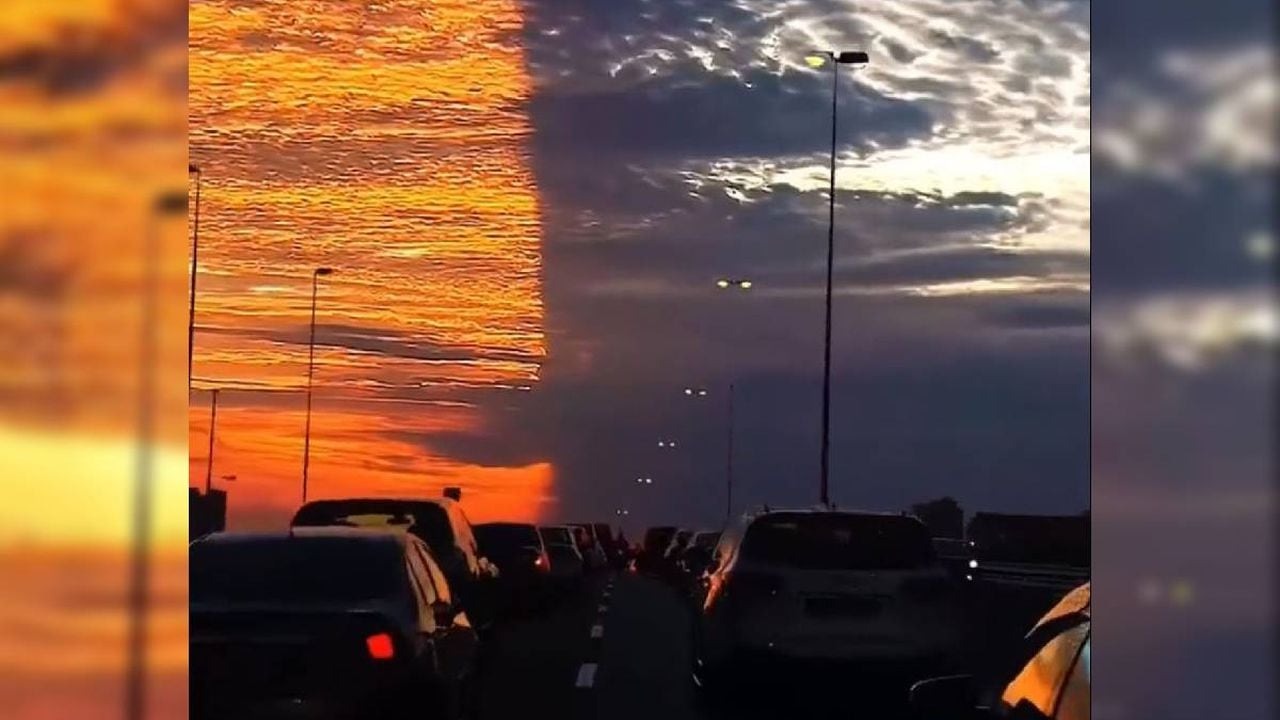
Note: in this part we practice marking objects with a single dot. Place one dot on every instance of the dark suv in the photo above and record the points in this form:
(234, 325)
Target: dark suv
(439, 522)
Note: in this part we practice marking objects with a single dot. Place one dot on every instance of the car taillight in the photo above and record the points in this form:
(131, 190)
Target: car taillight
(540, 562)
(380, 646)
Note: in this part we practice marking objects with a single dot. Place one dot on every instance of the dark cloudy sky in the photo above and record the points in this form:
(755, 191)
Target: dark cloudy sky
(675, 143)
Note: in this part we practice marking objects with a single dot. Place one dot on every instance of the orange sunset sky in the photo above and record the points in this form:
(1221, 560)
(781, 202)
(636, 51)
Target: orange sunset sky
(386, 142)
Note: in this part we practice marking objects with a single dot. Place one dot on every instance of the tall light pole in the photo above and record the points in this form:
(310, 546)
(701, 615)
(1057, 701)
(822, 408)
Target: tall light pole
(836, 59)
(700, 392)
(170, 203)
(193, 169)
(213, 427)
(311, 365)
(728, 479)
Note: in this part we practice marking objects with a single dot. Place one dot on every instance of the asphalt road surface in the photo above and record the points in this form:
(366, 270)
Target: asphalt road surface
(617, 650)
(620, 651)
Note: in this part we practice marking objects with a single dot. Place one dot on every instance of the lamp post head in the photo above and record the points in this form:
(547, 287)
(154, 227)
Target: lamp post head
(819, 58)
(172, 202)
(323, 271)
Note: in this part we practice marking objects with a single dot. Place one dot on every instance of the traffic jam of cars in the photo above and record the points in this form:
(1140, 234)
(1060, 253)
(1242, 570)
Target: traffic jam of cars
(388, 609)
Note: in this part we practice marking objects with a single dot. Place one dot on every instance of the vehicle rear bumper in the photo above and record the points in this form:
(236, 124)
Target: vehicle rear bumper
(793, 667)
(404, 699)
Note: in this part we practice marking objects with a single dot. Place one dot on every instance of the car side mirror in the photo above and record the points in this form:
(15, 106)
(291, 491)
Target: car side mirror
(953, 696)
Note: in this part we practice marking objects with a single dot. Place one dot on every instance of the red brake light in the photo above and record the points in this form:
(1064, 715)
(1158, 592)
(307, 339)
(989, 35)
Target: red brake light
(380, 646)
(539, 561)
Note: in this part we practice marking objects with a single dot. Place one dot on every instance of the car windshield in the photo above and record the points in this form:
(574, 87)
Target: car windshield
(295, 570)
(506, 537)
(556, 535)
(833, 541)
(426, 520)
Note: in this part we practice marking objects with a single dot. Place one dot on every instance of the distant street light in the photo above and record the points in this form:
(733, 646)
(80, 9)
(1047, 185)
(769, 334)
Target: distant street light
(725, 283)
(700, 393)
(311, 364)
(213, 429)
(193, 169)
(836, 59)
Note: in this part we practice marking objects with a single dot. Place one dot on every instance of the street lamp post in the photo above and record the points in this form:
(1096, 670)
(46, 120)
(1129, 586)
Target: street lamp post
(699, 392)
(169, 203)
(836, 59)
(311, 364)
(728, 475)
(213, 427)
(195, 253)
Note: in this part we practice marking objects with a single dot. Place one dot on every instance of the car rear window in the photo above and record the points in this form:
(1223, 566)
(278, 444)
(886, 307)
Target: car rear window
(658, 538)
(556, 535)
(426, 520)
(832, 541)
(506, 536)
(707, 540)
(295, 570)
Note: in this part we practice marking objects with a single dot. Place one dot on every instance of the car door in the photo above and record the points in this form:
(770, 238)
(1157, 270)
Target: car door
(1054, 683)
(456, 639)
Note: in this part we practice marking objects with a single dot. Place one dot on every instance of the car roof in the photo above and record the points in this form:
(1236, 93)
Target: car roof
(506, 524)
(371, 535)
(441, 501)
(822, 510)
(1076, 601)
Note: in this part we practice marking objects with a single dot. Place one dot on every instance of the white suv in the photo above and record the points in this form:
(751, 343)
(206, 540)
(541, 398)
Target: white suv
(824, 585)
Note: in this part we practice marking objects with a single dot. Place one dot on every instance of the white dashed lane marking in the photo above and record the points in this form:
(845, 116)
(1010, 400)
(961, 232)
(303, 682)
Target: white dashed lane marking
(597, 631)
(586, 675)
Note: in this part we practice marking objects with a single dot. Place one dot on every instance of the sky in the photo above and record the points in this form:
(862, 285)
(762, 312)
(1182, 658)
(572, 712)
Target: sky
(528, 205)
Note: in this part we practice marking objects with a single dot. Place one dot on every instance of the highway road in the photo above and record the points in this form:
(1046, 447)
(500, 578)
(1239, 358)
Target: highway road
(620, 651)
